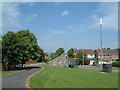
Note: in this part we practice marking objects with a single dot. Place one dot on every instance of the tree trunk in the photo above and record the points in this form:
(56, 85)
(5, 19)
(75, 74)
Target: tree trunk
(9, 68)
(3, 67)
(22, 64)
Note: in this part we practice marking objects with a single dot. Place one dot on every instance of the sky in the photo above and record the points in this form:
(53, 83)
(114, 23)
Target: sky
(63, 24)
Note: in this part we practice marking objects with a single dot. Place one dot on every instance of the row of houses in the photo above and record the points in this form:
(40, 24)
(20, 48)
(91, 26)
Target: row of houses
(108, 55)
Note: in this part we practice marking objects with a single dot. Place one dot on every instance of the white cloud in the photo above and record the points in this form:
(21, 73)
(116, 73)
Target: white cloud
(60, 1)
(11, 14)
(20, 1)
(70, 28)
(57, 4)
(34, 15)
(65, 13)
(29, 17)
(109, 13)
(58, 32)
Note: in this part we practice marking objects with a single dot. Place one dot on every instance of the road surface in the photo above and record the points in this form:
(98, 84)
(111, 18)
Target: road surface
(61, 60)
(18, 80)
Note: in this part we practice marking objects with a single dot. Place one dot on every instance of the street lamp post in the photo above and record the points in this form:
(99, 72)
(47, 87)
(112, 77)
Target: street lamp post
(101, 40)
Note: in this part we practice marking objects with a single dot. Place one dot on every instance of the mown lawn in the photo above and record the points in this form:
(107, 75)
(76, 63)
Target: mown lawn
(63, 77)
(4, 73)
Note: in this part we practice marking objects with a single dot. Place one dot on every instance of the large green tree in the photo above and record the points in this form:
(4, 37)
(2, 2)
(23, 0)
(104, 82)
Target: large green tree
(81, 56)
(52, 56)
(59, 51)
(0, 51)
(70, 53)
(8, 50)
(20, 47)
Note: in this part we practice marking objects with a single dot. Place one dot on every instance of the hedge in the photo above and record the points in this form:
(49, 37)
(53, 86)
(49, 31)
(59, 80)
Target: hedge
(116, 64)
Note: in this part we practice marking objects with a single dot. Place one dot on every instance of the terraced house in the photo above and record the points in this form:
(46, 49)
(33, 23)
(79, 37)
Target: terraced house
(108, 55)
(90, 52)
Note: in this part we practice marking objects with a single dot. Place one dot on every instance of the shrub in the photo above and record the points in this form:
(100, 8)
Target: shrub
(116, 64)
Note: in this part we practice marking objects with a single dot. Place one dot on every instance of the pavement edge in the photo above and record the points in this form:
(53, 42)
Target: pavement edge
(27, 81)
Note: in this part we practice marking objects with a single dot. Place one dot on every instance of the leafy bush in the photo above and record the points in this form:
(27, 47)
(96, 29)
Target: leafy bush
(58, 52)
(70, 53)
(53, 56)
(116, 64)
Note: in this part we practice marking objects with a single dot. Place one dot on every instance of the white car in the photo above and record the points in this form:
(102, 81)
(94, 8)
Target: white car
(19, 65)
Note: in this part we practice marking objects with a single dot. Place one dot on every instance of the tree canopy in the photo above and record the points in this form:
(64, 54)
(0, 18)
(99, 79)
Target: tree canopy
(58, 52)
(20, 47)
(81, 55)
(106, 48)
(70, 53)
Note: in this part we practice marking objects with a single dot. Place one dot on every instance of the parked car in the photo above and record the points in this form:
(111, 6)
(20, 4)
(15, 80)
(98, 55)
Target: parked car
(19, 65)
(86, 62)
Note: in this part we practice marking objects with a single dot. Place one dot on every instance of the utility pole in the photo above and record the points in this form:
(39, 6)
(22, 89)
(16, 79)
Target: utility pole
(101, 40)
(42, 48)
(65, 41)
(66, 57)
(83, 56)
(42, 55)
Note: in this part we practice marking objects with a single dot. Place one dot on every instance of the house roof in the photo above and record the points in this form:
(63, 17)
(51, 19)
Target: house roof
(107, 52)
(87, 51)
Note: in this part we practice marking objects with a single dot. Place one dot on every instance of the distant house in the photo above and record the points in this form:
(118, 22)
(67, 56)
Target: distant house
(107, 55)
(95, 56)
(90, 52)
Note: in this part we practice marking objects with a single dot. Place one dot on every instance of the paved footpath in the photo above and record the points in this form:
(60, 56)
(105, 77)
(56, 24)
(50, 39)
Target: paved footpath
(96, 68)
(18, 80)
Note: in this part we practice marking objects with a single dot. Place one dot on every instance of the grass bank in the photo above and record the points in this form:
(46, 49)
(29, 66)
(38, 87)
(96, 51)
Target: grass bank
(4, 73)
(63, 77)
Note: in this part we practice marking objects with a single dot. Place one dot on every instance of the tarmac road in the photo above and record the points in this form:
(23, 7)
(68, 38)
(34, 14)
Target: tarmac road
(61, 60)
(18, 80)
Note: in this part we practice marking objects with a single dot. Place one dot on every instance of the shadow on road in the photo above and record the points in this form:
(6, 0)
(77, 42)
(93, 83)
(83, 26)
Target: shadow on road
(28, 68)
(31, 67)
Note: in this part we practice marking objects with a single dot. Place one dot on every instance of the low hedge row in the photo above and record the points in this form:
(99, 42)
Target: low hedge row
(116, 64)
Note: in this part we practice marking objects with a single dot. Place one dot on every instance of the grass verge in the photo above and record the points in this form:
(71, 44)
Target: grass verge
(62, 77)
(4, 73)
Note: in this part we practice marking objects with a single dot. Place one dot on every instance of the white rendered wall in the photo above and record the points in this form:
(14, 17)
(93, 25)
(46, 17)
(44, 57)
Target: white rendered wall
(90, 56)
